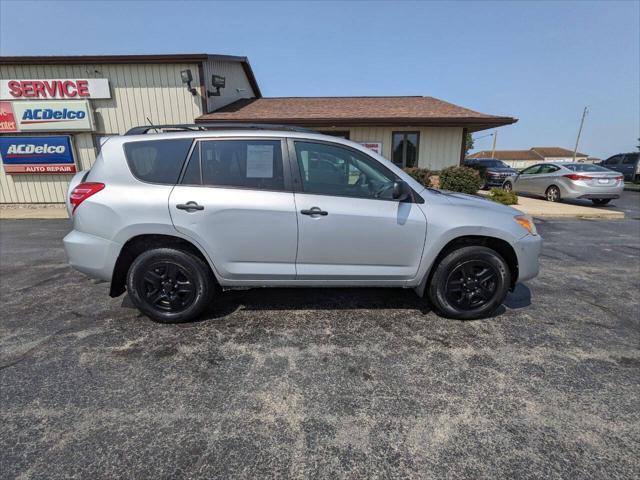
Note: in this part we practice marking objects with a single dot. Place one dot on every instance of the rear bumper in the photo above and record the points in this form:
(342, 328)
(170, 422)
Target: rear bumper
(528, 250)
(589, 196)
(91, 255)
(589, 192)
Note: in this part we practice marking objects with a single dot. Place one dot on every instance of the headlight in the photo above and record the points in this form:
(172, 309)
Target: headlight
(526, 222)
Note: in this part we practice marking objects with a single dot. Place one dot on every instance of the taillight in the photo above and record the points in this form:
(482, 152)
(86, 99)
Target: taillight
(82, 192)
(575, 177)
(619, 178)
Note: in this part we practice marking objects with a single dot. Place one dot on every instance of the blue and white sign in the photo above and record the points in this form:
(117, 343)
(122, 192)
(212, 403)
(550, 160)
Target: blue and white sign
(70, 116)
(37, 155)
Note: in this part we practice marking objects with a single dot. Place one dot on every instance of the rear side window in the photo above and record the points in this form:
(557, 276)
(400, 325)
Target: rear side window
(255, 164)
(630, 159)
(157, 161)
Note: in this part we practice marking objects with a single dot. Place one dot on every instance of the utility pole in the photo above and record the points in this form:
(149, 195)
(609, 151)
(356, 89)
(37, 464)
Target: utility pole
(584, 114)
(495, 138)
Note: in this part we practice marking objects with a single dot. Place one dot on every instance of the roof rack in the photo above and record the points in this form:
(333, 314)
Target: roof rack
(198, 127)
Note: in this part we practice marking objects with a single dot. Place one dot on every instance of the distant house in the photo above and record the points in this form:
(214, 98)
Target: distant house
(525, 158)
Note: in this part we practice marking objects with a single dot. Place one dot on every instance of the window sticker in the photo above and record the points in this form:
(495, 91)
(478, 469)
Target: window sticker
(259, 161)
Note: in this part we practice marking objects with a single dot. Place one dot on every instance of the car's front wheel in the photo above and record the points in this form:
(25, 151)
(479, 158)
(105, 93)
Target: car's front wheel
(508, 186)
(169, 285)
(469, 283)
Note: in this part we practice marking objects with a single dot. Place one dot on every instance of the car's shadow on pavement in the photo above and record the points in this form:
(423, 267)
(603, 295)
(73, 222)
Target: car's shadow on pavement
(264, 299)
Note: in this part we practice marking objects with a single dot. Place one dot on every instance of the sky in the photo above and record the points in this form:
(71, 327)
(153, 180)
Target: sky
(541, 62)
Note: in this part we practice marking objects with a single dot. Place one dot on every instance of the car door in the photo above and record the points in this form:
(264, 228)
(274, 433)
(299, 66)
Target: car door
(540, 181)
(235, 200)
(628, 166)
(524, 182)
(613, 163)
(349, 226)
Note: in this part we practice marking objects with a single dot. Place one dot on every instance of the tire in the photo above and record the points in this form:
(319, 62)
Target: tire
(553, 194)
(508, 186)
(169, 285)
(453, 296)
(600, 201)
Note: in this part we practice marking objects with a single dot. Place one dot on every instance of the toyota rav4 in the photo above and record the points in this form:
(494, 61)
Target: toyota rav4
(176, 217)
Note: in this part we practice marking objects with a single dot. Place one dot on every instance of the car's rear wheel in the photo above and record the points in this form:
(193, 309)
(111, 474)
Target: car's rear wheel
(508, 186)
(600, 201)
(169, 285)
(553, 194)
(469, 283)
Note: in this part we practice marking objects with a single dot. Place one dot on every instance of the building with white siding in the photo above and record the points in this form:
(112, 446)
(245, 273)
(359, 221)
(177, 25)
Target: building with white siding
(50, 103)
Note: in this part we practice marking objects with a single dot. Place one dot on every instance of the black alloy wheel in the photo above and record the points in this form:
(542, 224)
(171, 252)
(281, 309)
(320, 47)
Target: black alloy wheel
(167, 286)
(170, 285)
(507, 186)
(471, 284)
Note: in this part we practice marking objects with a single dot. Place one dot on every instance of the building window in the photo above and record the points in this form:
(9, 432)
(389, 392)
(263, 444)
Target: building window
(404, 147)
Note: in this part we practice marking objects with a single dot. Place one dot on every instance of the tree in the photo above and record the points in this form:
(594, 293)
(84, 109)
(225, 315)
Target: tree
(638, 147)
(468, 144)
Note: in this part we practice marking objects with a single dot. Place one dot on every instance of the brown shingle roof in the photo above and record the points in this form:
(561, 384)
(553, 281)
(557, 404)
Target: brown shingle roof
(353, 110)
(535, 153)
(556, 152)
(508, 155)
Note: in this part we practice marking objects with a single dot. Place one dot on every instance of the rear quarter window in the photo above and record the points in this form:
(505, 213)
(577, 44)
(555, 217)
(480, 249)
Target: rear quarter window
(157, 161)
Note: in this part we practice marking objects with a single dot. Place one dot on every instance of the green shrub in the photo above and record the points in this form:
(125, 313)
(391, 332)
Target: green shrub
(503, 196)
(421, 175)
(460, 179)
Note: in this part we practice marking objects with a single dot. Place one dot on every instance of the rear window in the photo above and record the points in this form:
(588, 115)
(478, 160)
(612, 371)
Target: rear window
(254, 164)
(157, 161)
(585, 167)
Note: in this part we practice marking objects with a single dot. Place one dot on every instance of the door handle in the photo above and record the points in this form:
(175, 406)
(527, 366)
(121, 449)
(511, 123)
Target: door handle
(189, 206)
(314, 211)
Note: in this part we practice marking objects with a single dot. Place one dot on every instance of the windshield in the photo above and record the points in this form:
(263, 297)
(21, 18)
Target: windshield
(493, 164)
(585, 167)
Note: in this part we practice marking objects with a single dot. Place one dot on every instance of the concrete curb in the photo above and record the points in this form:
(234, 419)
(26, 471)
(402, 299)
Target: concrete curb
(23, 213)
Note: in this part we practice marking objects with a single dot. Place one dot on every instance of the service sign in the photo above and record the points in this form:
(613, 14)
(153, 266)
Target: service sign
(55, 89)
(71, 116)
(7, 118)
(375, 146)
(37, 155)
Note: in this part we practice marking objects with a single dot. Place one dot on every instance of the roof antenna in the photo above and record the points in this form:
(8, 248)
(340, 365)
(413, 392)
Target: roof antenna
(154, 127)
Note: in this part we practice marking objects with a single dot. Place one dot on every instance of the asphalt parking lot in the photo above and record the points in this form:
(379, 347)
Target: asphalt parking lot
(325, 383)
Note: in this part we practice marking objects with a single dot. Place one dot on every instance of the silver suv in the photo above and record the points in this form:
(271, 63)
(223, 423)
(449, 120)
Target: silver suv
(173, 218)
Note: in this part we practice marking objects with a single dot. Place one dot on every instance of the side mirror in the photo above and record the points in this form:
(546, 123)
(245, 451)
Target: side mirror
(401, 191)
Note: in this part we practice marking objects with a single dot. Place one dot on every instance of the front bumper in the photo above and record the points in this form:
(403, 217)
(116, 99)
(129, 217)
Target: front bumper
(92, 255)
(528, 249)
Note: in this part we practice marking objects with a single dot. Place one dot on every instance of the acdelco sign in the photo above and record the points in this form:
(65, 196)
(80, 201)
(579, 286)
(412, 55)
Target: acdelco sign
(25, 155)
(54, 89)
(68, 116)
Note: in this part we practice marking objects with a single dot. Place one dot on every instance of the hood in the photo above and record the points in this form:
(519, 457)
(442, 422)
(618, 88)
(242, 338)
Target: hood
(501, 169)
(473, 201)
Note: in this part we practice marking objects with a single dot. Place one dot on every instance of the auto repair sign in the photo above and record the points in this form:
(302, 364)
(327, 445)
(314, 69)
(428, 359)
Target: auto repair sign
(54, 89)
(37, 155)
(71, 116)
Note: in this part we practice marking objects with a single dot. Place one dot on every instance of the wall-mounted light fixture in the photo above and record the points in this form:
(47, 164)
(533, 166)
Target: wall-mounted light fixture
(217, 82)
(187, 78)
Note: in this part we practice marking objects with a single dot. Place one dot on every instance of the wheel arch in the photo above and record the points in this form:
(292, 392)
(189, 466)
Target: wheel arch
(140, 243)
(499, 245)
